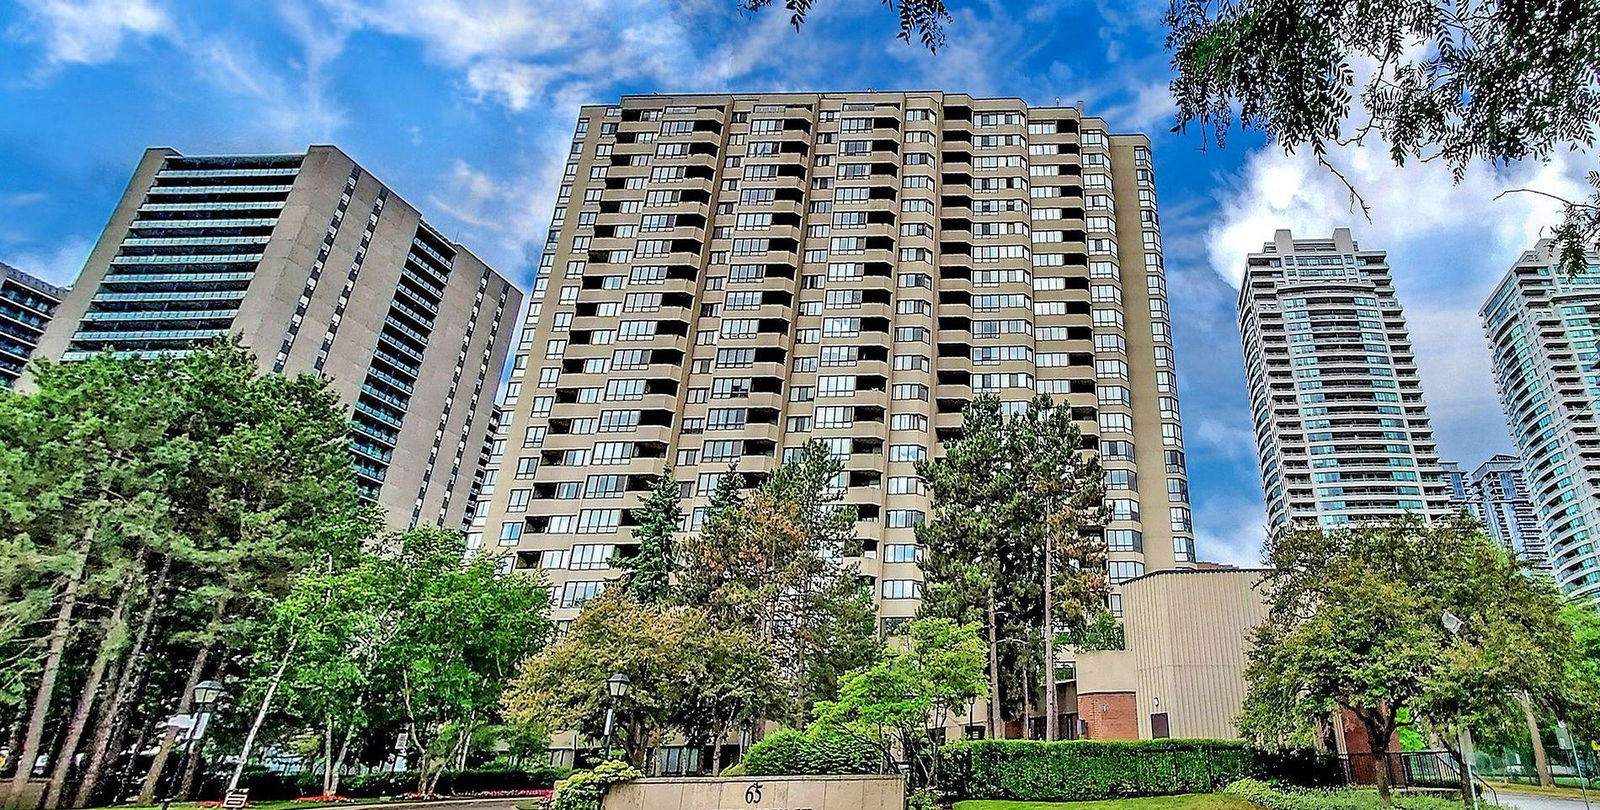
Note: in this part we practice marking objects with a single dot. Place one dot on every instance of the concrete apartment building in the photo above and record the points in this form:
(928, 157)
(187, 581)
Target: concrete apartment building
(320, 268)
(1497, 494)
(1342, 430)
(727, 277)
(1542, 334)
(26, 306)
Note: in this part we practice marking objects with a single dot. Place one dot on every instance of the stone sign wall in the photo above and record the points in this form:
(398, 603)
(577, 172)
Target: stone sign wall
(760, 793)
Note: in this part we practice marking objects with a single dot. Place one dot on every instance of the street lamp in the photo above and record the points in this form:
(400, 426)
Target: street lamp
(206, 694)
(617, 687)
(204, 697)
(1452, 625)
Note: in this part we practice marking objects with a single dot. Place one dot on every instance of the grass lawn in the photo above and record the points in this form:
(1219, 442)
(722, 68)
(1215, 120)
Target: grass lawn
(1188, 801)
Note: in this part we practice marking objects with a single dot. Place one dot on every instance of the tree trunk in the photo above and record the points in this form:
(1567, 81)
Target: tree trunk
(152, 777)
(39, 711)
(1541, 760)
(1378, 733)
(261, 716)
(90, 694)
(327, 755)
(996, 724)
(344, 749)
(111, 715)
(1027, 701)
(1050, 710)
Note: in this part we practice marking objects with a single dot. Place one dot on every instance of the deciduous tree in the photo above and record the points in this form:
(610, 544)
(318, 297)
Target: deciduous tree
(1355, 625)
(892, 703)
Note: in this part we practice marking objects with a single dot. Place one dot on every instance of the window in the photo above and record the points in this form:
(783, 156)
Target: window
(906, 485)
(1124, 570)
(510, 532)
(904, 518)
(907, 452)
(902, 589)
(1123, 508)
(623, 390)
(613, 452)
(1124, 540)
(576, 594)
(900, 553)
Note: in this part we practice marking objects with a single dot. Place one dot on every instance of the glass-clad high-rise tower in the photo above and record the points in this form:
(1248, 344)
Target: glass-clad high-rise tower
(1341, 426)
(1542, 329)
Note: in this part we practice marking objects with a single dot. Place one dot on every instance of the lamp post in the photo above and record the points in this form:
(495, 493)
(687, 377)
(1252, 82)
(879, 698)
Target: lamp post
(204, 697)
(617, 687)
(1452, 625)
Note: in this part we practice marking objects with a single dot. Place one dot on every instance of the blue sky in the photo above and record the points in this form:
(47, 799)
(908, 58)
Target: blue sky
(465, 106)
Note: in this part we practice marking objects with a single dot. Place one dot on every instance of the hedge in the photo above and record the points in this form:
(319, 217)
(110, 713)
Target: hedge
(789, 752)
(1277, 797)
(1085, 770)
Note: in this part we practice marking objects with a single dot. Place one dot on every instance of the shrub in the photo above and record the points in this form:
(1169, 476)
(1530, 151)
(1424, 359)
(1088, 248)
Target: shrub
(1085, 770)
(585, 790)
(1275, 797)
(819, 751)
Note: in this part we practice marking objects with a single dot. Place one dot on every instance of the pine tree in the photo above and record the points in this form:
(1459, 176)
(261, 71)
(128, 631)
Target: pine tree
(648, 574)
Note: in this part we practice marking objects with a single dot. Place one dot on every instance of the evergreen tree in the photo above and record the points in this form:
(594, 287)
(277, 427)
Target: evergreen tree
(648, 574)
(1015, 543)
(152, 510)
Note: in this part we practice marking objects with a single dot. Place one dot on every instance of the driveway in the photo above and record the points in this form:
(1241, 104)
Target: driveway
(1534, 801)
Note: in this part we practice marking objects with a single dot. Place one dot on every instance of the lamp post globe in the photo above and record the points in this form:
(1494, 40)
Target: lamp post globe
(617, 685)
(206, 694)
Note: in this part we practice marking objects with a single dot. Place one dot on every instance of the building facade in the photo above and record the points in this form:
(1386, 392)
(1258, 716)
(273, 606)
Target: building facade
(26, 306)
(728, 277)
(1342, 429)
(1497, 494)
(1181, 671)
(319, 268)
(1542, 334)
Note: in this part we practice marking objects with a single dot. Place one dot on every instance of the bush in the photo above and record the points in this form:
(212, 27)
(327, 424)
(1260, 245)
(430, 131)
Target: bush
(790, 752)
(1274, 797)
(585, 790)
(1085, 770)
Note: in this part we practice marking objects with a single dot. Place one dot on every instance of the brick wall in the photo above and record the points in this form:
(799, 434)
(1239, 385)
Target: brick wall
(1109, 715)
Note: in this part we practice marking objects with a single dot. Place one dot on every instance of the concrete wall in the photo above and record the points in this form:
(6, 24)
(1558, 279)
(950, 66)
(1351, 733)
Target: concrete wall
(765, 793)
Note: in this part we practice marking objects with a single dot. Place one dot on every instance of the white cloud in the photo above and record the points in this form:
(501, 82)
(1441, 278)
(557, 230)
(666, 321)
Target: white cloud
(1447, 243)
(58, 265)
(88, 32)
(524, 53)
(505, 217)
(1231, 529)
(289, 100)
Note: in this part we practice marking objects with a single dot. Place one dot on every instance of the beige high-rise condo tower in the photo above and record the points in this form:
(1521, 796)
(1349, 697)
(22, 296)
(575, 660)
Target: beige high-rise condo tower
(319, 268)
(1341, 426)
(727, 277)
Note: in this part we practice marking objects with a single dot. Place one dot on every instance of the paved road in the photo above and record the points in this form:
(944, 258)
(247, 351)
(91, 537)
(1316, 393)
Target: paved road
(1531, 801)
